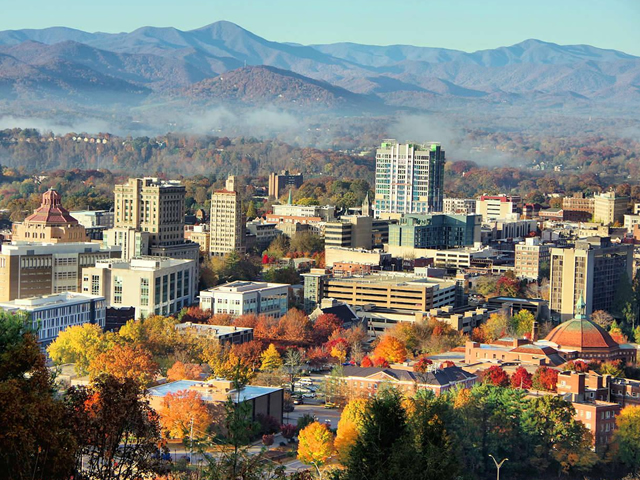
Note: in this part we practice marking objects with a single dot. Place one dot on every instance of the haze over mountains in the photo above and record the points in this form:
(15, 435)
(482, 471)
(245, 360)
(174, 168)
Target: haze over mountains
(217, 64)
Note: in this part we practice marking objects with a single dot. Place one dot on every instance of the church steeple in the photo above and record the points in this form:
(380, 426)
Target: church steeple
(366, 206)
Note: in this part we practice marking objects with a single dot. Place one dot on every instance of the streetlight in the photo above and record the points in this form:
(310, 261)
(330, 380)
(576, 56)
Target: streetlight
(498, 465)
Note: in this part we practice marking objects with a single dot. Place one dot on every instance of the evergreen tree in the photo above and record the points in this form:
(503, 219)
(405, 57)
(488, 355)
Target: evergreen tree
(437, 457)
(380, 453)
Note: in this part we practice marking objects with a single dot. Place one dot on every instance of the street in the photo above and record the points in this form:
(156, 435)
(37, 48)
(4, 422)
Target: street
(316, 408)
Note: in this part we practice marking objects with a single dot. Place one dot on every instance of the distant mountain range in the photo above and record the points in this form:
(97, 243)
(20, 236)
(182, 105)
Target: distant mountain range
(207, 64)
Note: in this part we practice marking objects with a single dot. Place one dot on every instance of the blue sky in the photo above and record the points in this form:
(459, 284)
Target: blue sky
(460, 24)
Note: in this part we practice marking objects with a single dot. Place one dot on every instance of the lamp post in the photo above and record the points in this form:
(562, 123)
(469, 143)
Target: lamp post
(498, 465)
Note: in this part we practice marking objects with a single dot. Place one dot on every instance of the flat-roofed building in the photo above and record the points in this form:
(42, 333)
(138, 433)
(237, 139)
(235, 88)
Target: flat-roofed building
(262, 401)
(531, 255)
(578, 208)
(609, 208)
(326, 213)
(153, 285)
(589, 395)
(351, 231)
(34, 269)
(280, 182)
(463, 319)
(94, 218)
(223, 333)
(459, 206)
(401, 291)
(265, 232)
(630, 221)
(409, 177)
(512, 350)
(51, 314)
(313, 290)
(227, 221)
(133, 242)
(355, 255)
(199, 234)
(591, 269)
(435, 231)
(152, 205)
(242, 297)
(493, 207)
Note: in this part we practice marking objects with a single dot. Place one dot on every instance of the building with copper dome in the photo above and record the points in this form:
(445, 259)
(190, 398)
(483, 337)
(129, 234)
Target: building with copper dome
(583, 339)
(50, 223)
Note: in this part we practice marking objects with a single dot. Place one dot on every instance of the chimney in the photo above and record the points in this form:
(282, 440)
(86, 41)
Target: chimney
(534, 332)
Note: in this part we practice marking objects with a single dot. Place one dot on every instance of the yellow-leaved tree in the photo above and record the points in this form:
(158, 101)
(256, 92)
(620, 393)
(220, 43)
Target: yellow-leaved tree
(349, 427)
(315, 445)
(80, 344)
(271, 359)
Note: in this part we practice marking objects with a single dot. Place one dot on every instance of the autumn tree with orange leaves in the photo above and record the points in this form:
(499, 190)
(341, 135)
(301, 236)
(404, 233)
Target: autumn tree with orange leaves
(184, 371)
(391, 349)
(125, 362)
(183, 411)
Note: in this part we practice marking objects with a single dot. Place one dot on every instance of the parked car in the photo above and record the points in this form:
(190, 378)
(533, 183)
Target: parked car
(330, 405)
(298, 401)
(309, 395)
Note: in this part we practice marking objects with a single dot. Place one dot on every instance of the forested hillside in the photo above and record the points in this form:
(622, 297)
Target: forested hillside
(85, 167)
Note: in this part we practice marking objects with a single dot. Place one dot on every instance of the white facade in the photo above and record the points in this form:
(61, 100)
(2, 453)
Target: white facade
(465, 206)
(493, 207)
(239, 298)
(222, 333)
(326, 212)
(152, 285)
(630, 221)
(264, 231)
(51, 314)
(94, 218)
(530, 255)
(409, 178)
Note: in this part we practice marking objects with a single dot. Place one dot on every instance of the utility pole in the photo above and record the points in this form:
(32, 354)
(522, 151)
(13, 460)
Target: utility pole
(498, 465)
(191, 443)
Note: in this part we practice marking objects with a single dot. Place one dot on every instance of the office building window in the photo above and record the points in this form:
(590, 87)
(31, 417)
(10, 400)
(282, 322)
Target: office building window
(157, 292)
(117, 290)
(95, 285)
(144, 291)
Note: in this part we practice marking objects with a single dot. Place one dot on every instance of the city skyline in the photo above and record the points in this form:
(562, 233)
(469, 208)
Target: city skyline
(466, 25)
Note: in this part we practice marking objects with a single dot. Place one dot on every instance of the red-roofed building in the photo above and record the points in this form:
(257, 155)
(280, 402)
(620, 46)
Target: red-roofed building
(50, 223)
(581, 338)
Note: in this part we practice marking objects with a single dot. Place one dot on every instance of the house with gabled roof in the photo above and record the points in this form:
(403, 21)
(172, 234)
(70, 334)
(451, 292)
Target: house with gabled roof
(366, 381)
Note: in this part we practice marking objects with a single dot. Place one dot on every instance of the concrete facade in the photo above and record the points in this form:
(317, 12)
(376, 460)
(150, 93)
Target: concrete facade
(31, 270)
(592, 269)
(239, 298)
(530, 256)
(610, 208)
(227, 222)
(153, 285)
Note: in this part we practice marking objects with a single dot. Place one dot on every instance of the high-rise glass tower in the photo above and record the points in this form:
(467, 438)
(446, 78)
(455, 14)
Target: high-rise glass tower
(409, 177)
